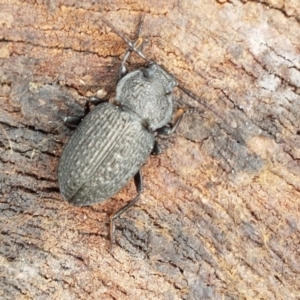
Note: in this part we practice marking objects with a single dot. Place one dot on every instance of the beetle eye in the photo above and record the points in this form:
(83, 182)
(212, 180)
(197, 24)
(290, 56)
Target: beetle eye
(169, 89)
(148, 72)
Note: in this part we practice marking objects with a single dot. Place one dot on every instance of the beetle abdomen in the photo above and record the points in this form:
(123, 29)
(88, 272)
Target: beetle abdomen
(107, 149)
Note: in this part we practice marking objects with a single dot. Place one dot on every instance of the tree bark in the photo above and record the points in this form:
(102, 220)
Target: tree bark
(219, 216)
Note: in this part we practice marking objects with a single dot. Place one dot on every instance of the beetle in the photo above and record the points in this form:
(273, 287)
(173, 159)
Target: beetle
(113, 140)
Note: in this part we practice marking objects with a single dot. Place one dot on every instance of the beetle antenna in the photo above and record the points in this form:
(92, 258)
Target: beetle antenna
(231, 130)
(132, 46)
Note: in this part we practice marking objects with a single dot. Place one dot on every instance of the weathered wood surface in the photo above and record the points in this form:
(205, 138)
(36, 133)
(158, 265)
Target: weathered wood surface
(218, 219)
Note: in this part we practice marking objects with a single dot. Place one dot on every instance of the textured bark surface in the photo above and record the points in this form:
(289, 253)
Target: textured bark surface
(219, 219)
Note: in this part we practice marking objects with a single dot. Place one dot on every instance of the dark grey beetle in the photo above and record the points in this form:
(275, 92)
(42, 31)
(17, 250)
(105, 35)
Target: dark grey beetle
(112, 142)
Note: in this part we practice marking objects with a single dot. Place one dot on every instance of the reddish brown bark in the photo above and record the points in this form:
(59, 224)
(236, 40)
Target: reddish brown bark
(219, 219)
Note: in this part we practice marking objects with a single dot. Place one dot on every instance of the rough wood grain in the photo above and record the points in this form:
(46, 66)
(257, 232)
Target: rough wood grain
(218, 219)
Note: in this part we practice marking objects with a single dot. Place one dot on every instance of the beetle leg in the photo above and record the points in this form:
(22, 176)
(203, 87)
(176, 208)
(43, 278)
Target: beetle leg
(169, 129)
(132, 46)
(138, 181)
(92, 100)
(156, 149)
(96, 100)
(127, 41)
(137, 45)
(73, 121)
